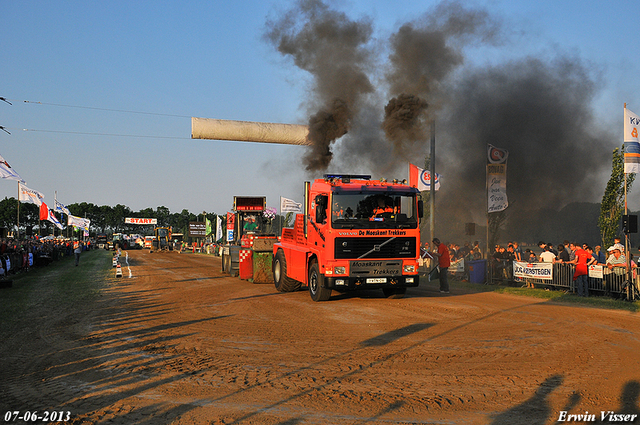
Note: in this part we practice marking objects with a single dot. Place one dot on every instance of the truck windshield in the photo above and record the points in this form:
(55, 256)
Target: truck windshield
(374, 210)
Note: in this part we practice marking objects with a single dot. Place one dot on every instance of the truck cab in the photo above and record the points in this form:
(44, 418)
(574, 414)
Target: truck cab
(356, 233)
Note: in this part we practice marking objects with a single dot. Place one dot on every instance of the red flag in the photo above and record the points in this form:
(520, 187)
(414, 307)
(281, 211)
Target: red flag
(44, 212)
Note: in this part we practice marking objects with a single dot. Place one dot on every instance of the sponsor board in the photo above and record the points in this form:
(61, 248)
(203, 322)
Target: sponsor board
(533, 270)
(134, 220)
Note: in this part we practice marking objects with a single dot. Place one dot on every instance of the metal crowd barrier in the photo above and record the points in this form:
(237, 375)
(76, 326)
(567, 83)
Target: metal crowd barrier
(612, 283)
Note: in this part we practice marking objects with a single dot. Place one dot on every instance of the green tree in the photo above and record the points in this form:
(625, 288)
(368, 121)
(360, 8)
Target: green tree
(8, 213)
(612, 204)
(163, 214)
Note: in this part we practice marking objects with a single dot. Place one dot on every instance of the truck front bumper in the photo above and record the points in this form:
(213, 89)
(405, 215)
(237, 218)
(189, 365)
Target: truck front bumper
(348, 283)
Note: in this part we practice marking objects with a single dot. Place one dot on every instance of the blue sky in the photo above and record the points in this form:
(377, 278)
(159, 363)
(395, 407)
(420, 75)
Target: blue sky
(147, 67)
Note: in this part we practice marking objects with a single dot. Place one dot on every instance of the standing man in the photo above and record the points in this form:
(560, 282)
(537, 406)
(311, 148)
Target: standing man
(517, 251)
(444, 261)
(77, 250)
(580, 276)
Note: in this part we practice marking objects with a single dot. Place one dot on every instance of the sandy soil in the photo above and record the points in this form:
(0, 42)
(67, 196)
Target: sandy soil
(179, 342)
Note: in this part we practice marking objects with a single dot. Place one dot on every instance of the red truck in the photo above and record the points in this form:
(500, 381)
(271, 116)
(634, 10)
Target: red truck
(355, 233)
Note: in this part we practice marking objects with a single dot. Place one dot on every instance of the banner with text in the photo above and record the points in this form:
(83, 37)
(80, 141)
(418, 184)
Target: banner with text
(197, 229)
(134, 220)
(631, 142)
(230, 226)
(497, 179)
(533, 270)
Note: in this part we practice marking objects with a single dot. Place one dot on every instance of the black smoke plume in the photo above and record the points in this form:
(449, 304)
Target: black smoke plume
(334, 50)
(539, 108)
(404, 121)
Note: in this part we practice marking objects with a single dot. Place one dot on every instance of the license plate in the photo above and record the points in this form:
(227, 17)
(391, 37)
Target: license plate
(377, 280)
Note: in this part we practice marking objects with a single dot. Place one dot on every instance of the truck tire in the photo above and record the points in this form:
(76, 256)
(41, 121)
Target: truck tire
(316, 284)
(283, 282)
(394, 293)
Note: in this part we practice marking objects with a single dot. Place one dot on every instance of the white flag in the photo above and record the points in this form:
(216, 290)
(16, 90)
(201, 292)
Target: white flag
(29, 195)
(59, 206)
(218, 228)
(6, 172)
(78, 222)
(52, 218)
(289, 205)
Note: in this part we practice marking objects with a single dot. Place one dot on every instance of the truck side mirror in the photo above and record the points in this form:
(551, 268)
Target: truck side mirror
(420, 208)
(321, 208)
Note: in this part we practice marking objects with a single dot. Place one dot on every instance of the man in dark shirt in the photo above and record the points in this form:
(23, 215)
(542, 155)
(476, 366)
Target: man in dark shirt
(563, 255)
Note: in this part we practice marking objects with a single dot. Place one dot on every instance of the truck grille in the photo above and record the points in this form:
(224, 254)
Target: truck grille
(352, 248)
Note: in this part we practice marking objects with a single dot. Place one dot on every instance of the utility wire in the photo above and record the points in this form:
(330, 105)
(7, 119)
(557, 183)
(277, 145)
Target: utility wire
(96, 134)
(93, 108)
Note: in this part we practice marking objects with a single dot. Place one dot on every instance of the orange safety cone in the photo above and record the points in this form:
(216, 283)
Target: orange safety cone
(118, 270)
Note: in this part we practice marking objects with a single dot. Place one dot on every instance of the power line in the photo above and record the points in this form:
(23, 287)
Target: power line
(96, 134)
(93, 108)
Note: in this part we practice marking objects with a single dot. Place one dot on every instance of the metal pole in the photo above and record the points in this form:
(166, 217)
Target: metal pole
(630, 292)
(432, 188)
(18, 230)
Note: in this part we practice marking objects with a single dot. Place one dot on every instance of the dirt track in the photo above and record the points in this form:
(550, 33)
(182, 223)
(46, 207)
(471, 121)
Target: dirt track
(181, 343)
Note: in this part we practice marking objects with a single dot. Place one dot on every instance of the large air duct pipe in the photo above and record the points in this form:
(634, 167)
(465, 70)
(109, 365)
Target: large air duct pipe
(246, 131)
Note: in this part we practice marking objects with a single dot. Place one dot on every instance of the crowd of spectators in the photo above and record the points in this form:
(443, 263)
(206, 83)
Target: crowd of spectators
(579, 256)
(468, 251)
(20, 255)
(564, 253)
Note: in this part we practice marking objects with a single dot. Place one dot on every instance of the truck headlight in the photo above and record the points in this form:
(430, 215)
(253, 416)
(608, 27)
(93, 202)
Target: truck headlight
(339, 270)
(411, 268)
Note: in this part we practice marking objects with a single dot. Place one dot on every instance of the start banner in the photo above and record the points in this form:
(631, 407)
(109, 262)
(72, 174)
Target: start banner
(133, 220)
(533, 270)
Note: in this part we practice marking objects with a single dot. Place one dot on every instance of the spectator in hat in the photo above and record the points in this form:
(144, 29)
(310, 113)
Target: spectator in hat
(616, 262)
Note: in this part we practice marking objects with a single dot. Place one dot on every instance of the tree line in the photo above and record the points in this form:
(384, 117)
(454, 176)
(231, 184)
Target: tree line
(104, 218)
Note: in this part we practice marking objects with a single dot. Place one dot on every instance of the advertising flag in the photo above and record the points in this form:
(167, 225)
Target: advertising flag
(52, 218)
(207, 223)
(29, 195)
(631, 142)
(218, 228)
(59, 206)
(496, 179)
(421, 179)
(78, 222)
(289, 205)
(6, 172)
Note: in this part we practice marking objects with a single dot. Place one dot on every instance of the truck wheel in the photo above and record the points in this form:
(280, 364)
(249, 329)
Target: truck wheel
(283, 282)
(316, 284)
(394, 293)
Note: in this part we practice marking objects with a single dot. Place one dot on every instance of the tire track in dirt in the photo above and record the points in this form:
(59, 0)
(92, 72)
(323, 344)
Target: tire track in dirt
(182, 343)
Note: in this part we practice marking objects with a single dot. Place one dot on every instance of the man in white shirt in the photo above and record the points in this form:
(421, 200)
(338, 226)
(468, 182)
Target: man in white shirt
(547, 256)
